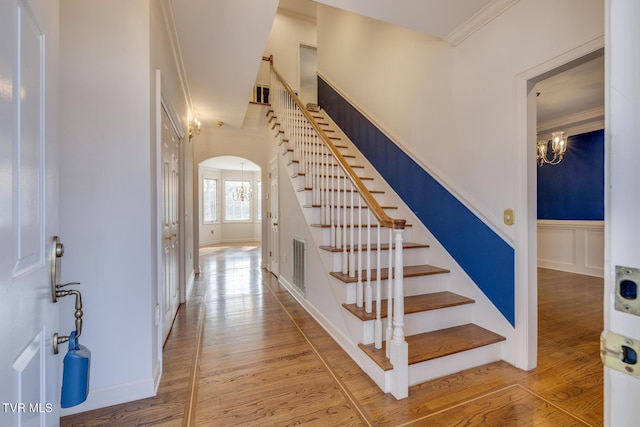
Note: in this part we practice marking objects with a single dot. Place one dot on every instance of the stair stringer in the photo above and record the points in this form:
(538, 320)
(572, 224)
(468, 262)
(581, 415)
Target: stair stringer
(325, 307)
(484, 312)
(347, 332)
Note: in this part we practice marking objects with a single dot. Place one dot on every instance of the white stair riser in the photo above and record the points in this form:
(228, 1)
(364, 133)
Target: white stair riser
(413, 286)
(432, 369)
(427, 321)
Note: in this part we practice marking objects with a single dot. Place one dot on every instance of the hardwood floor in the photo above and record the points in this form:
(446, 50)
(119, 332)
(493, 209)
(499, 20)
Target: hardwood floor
(243, 353)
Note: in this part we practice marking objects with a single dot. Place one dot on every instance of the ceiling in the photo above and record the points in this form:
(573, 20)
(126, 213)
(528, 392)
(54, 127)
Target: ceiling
(572, 91)
(221, 43)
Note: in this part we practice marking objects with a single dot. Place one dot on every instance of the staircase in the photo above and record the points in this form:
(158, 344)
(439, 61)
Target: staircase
(406, 320)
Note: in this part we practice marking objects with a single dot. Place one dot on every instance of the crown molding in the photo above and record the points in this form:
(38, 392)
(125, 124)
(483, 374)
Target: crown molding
(574, 124)
(479, 20)
(170, 26)
(297, 15)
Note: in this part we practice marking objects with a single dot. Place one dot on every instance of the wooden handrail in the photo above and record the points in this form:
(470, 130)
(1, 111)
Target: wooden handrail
(384, 219)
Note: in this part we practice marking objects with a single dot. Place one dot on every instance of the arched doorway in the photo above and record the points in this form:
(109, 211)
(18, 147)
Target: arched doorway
(230, 202)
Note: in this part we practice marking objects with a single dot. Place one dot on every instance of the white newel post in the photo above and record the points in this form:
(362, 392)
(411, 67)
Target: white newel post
(399, 349)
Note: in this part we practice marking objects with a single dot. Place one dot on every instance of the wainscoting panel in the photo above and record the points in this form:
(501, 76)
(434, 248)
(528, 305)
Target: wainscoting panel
(572, 246)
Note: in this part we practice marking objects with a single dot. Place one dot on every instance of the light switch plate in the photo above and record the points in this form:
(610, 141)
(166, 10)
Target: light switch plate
(508, 216)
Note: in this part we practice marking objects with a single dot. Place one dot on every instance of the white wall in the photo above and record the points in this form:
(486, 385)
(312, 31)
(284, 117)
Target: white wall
(108, 184)
(287, 33)
(453, 108)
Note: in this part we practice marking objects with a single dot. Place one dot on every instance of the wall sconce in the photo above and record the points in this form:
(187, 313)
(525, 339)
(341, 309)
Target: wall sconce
(194, 127)
(558, 146)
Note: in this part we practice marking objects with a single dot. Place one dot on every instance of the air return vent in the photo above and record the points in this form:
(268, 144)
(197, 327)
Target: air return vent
(299, 264)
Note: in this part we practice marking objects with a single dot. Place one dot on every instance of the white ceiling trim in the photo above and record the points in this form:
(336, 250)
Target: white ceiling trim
(170, 26)
(297, 15)
(479, 20)
(574, 124)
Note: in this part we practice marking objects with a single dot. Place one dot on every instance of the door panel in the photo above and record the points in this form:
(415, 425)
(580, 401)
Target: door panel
(170, 224)
(29, 387)
(273, 218)
(622, 174)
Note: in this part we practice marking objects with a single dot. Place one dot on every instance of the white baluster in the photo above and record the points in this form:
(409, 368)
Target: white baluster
(352, 254)
(332, 205)
(368, 296)
(377, 326)
(345, 255)
(389, 330)
(359, 285)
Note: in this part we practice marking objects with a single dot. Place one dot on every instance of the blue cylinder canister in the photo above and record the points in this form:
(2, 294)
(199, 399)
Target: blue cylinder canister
(75, 373)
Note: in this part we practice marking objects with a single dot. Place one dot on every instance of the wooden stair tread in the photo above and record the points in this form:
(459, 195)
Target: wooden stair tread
(412, 304)
(362, 178)
(374, 247)
(409, 271)
(323, 144)
(348, 207)
(349, 225)
(341, 190)
(432, 345)
(346, 156)
(325, 164)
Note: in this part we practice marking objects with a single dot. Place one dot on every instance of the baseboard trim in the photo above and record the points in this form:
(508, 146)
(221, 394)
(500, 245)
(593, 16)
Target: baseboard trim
(113, 395)
(355, 353)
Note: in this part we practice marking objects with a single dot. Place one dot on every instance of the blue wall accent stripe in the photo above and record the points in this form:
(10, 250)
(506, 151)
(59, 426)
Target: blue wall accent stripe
(483, 255)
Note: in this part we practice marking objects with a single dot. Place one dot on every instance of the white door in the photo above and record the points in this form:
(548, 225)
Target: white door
(622, 390)
(273, 217)
(170, 226)
(29, 386)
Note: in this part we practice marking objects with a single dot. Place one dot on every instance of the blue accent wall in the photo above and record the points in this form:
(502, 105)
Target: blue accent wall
(483, 255)
(574, 188)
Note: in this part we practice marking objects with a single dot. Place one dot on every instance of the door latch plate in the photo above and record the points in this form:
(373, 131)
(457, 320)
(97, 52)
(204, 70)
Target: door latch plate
(620, 353)
(627, 282)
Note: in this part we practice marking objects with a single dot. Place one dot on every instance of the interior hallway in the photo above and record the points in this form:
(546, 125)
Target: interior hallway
(243, 353)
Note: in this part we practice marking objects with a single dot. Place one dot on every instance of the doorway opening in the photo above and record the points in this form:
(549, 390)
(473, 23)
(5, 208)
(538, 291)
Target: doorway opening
(526, 262)
(308, 79)
(570, 194)
(230, 201)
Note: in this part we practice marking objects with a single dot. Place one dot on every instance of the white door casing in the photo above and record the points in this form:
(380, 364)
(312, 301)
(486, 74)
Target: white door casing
(29, 371)
(622, 204)
(273, 218)
(170, 224)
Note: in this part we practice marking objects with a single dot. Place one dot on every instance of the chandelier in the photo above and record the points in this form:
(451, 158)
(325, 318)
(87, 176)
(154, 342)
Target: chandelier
(242, 193)
(558, 146)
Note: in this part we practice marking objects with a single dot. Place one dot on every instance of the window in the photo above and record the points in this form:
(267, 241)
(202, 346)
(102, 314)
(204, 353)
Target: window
(236, 210)
(210, 200)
